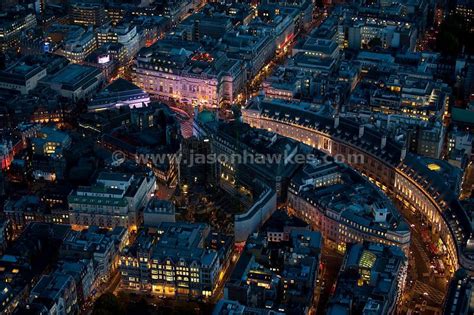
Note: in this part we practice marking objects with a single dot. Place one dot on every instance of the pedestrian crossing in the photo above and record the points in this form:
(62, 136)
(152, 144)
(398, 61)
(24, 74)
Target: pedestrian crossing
(434, 295)
(186, 129)
(422, 250)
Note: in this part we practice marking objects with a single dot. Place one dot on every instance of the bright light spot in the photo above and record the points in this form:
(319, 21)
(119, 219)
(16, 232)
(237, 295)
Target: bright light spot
(434, 167)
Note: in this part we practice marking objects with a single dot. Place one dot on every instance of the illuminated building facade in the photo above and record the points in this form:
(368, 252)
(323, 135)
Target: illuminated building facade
(8, 149)
(176, 10)
(391, 34)
(87, 13)
(174, 262)
(344, 206)
(5, 234)
(277, 21)
(27, 209)
(187, 75)
(78, 48)
(265, 182)
(11, 25)
(318, 47)
(104, 62)
(124, 34)
(412, 95)
(50, 141)
(304, 9)
(384, 163)
(465, 8)
(282, 84)
(255, 48)
(117, 51)
(148, 123)
(114, 200)
(460, 294)
(117, 94)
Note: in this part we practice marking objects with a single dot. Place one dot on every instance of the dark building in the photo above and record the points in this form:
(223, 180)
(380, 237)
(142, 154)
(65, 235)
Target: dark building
(250, 153)
(195, 172)
(459, 300)
(152, 138)
(371, 279)
(26, 259)
(277, 273)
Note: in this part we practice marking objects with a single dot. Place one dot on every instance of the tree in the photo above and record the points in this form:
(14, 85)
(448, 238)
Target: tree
(2, 61)
(141, 307)
(447, 43)
(108, 304)
(454, 35)
(375, 42)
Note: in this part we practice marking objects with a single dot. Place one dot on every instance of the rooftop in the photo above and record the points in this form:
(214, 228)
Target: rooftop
(114, 176)
(349, 194)
(175, 241)
(120, 85)
(368, 279)
(73, 76)
(267, 265)
(156, 205)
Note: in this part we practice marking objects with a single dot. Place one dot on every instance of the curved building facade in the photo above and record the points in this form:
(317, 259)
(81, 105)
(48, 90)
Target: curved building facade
(344, 206)
(411, 180)
(248, 222)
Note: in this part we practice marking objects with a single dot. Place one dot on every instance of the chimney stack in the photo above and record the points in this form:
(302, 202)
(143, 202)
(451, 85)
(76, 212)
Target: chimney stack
(383, 143)
(403, 153)
(361, 131)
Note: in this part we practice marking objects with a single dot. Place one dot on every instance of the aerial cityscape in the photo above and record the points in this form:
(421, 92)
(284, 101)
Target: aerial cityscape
(237, 157)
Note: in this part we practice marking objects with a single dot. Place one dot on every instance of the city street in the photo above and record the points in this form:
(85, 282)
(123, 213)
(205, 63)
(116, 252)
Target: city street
(230, 157)
(330, 263)
(424, 291)
(219, 291)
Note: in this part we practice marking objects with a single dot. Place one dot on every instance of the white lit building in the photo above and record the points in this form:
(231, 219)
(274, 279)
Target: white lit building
(345, 207)
(117, 94)
(124, 34)
(114, 200)
(187, 75)
(21, 77)
(76, 49)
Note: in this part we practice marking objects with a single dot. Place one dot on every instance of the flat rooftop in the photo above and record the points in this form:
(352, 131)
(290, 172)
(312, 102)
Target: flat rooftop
(72, 74)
